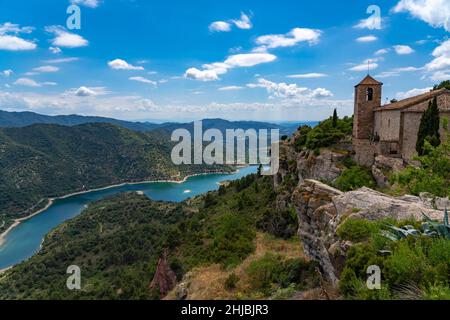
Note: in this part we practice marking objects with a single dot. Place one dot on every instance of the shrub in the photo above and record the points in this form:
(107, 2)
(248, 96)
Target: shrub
(325, 134)
(415, 267)
(231, 281)
(432, 176)
(232, 239)
(354, 178)
(282, 224)
(355, 230)
(264, 271)
(272, 271)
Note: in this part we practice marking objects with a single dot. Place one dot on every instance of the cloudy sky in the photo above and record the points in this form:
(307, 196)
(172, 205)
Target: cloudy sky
(178, 60)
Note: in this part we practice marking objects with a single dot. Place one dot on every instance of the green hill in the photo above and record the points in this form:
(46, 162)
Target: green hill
(44, 161)
(117, 242)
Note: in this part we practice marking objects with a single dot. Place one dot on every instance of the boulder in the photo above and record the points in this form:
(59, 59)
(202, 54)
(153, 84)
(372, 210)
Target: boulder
(321, 209)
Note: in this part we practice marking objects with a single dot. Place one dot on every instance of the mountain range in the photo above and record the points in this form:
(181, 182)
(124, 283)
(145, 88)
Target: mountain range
(23, 119)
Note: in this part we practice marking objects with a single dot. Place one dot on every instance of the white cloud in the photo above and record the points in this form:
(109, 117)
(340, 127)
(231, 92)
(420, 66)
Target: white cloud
(7, 73)
(9, 39)
(434, 12)
(406, 69)
(231, 88)
(62, 60)
(396, 72)
(134, 107)
(441, 57)
(46, 69)
(87, 91)
(201, 75)
(119, 64)
(249, 59)
(387, 74)
(87, 3)
(369, 64)
(403, 50)
(66, 39)
(244, 22)
(292, 38)
(367, 39)
(13, 43)
(290, 91)
(382, 52)
(373, 22)
(212, 71)
(12, 28)
(143, 80)
(308, 76)
(220, 26)
(440, 76)
(27, 82)
(55, 50)
(412, 93)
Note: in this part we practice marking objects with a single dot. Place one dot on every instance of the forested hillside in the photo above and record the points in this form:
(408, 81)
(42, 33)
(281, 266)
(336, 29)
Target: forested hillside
(43, 161)
(117, 243)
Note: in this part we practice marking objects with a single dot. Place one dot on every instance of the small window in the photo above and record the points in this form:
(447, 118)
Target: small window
(369, 94)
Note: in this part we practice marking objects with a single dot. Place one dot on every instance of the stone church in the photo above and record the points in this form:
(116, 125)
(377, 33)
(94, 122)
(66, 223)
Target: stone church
(391, 129)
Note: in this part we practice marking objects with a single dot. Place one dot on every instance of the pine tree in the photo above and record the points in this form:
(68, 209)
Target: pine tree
(429, 128)
(335, 118)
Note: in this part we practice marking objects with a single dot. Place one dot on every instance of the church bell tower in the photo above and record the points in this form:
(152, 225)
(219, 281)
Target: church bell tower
(367, 98)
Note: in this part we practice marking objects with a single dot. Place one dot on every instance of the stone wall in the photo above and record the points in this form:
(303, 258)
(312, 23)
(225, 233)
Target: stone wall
(410, 125)
(365, 152)
(387, 125)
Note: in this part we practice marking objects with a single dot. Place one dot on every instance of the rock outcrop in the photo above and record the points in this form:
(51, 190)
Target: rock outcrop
(321, 209)
(383, 166)
(327, 166)
(164, 279)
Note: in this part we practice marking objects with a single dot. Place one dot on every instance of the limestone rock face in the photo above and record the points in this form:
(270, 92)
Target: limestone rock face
(321, 209)
(322, 167)
(306, 165)
(164, 279)
(382, 165)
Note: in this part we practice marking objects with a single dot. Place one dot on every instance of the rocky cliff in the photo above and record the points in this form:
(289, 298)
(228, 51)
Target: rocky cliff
(321, 209)
(302, 184)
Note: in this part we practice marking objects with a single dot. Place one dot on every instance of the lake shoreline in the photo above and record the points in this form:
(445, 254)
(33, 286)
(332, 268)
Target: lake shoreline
(50, 201)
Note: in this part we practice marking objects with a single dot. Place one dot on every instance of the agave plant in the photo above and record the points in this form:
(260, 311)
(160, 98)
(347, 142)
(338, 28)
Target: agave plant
(429, 228)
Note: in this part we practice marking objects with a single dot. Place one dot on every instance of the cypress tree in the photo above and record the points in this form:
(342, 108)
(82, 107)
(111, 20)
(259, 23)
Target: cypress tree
(429, 128)
(335, 118)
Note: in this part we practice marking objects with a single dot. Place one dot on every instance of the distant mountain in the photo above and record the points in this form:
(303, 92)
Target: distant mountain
(23, 119)
(223, 125)
(46, 160)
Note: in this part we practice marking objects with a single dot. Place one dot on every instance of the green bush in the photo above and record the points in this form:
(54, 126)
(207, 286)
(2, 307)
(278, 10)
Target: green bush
(231, 281)
(355, 178)
(355, 230)
(418, 262)
(325, 134)
(232, 239)
(433, 175)
(272, 271)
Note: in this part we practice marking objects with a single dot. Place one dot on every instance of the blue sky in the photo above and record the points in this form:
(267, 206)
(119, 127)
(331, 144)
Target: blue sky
(240, 60)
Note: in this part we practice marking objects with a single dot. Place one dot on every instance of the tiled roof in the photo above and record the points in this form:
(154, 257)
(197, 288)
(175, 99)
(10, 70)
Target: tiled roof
(368, 80)
(402, 104)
